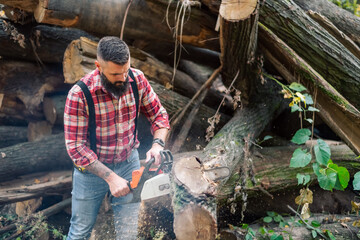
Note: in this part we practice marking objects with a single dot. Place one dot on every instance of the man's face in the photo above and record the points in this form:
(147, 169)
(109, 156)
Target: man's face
(114, 77)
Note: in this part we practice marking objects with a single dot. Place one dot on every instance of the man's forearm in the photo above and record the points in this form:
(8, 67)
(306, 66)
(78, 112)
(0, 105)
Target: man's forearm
(161, 133)
(99, 169)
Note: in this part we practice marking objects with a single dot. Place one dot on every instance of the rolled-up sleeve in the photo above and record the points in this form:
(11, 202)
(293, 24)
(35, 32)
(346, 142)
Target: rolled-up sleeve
(76, 128)
(151, 107)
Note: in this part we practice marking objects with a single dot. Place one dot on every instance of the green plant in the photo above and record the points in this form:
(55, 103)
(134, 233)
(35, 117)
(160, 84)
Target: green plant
(350, 5)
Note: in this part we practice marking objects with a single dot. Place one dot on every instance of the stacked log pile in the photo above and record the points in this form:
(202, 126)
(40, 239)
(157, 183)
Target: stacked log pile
(48, 45)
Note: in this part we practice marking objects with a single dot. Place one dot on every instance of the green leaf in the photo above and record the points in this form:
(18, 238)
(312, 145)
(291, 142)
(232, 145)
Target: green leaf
(267, 137)
(322, 152)
(312, 109)
(300, 158)
(302, 178)
(327, 181)
(295, 108)
(308, 99)
(316, 168)
(271, 214)
(356, 182)
(277, 218)
(248, 237)
(315, 223)
(309, 120)
(344, 176)
(276, 237)
(331, 236)
(301, 136)
(268, 219)
(297, 87)
(245, 226)
(262, 231)
(313, 233)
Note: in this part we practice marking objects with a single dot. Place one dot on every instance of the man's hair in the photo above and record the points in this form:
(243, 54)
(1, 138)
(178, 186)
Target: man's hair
(113, 49)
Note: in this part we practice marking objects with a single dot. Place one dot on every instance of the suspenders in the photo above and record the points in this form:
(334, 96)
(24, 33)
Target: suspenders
(90, 102)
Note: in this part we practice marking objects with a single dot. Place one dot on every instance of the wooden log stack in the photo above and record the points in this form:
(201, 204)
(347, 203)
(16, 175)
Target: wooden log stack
(48, 45)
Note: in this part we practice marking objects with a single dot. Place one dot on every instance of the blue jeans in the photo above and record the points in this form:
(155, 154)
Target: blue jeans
(88, 193)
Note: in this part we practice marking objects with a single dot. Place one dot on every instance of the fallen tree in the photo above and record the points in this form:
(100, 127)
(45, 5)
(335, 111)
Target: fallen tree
(335, 110)
(315, 45)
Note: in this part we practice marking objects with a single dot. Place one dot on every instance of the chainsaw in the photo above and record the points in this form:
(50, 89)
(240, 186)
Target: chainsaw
(148, 182)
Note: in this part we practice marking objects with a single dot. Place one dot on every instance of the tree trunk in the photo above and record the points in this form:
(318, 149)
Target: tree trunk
(337, 33)
(315, 45)
(80, 56)
(36, 42)
(11, 135)
(35, 185)
(335, 110)
(151, 14)
(238, 39)
(342, 19)
(194, 189)
(24, 158)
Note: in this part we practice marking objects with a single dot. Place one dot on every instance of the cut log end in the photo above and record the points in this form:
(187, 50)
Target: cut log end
(187, 172)
(194, 222)
(237, 10)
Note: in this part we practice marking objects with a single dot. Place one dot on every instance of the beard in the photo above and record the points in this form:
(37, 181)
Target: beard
(118, 89)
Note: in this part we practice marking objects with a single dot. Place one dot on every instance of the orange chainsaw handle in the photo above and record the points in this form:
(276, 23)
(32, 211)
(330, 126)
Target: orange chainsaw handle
(136, 175)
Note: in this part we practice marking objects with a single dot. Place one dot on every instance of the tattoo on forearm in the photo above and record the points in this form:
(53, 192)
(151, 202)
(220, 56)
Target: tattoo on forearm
(99, 169)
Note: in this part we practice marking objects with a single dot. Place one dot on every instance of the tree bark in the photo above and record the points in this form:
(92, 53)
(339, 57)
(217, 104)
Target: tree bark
(26, 5)
(35, 185)
(11, 135)
(194, 188)
(315, 45)
(337, 33)
(150, 13)
(24, 158)
(238, 39)
(15, 75)
(335, 110)
(342, 19)
(39, 130)
(80, 56)
(38, 42)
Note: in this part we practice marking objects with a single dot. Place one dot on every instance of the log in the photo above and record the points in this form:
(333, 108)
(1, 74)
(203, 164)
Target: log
(38, 130)
(346, 21)
(40, 42)
(238, 39)
(315, 45)
(338, 34)
(24, 158)
(335, 110)
(35, 185)
(11, 135)
(28, 5)
(80, 56)
(54, 109)
(275, 187)
(193, 188)
(14, 75)
(14, 112)
(197, 31)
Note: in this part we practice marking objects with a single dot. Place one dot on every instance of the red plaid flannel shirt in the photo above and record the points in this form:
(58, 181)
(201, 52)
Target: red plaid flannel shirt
(115, 120)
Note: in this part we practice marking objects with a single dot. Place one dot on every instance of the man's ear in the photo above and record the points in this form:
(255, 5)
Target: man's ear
(97, 64)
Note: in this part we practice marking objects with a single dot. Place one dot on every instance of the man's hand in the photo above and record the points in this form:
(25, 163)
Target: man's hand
(118, 185)
(155, 153)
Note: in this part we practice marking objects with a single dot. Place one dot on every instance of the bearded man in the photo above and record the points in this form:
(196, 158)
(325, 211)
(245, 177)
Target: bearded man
(107, 165)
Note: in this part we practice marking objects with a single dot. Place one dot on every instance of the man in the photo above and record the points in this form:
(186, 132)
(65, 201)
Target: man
(110, 168)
